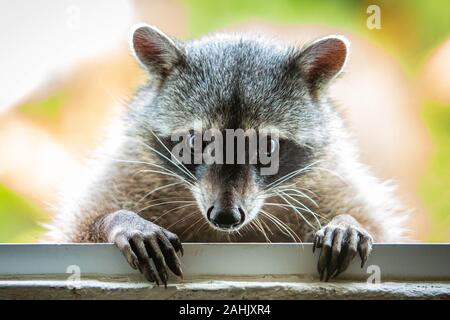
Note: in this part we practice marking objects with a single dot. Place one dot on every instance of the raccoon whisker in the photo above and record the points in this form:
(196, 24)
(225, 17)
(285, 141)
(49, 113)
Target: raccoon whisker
(195, 223)
(167, 198)
(181, 165)
(294, 186)
(280, 205)
(243, 231)
(308, 190)
(135, 162)
(291, 196)
(264, 224)
(291, 206)
(304, 207)
(183, 219)
(268, 195)
(142, 162)
(307, 146)
(301, 188)
(164, 199)
(265, 196)
(199, 229)
(297, 211)
(167, 174)
(290, 175)
(184, 170)
(150, 164)
(295, 195)
(301, 194)
(286, 206)
(161, 203)
(258, 225)
(157, 189)
(174, 209)
(281, 226)
(173, 200)
(250, 224)
(236, 233)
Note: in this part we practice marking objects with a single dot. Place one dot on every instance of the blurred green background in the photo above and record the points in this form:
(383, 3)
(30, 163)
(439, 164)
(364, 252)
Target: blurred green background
(411, 31)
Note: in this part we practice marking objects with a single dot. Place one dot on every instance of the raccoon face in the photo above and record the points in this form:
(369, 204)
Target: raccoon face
(268, 97)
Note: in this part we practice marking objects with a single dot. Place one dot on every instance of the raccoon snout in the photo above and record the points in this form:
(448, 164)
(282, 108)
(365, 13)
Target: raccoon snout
(226, 218)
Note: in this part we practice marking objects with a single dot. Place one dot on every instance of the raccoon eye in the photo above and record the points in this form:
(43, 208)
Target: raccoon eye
(191, 141)
(274, 145)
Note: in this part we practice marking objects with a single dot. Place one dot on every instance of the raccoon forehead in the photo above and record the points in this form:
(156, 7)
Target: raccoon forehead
(298, 135)
(231, 82)
(233, 104)
(217, 43)
(286, 116)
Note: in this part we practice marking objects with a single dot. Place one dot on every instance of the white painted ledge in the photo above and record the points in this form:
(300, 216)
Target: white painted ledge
(227, 271)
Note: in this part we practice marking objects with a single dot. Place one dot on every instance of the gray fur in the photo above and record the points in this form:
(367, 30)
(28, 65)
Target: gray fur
(237, 81)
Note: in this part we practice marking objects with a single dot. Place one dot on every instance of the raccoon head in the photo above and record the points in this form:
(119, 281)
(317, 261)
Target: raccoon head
(200, 91)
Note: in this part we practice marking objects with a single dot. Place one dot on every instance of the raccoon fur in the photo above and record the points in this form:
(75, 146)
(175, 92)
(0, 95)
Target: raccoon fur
(147, 203)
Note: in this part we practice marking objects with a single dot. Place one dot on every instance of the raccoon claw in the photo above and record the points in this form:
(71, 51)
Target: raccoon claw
(339, 245)
(175, 241)
(140, 240)
(139, 247)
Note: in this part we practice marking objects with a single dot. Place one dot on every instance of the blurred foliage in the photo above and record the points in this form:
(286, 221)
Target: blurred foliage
(409, 27)
(48, 108)
(431, 20)
(435, 186)
(209, 15)
(19, 219)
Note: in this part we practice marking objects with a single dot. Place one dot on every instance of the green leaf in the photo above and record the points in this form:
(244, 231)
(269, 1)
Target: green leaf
(50, 107)
(19, 219)
(435, 187)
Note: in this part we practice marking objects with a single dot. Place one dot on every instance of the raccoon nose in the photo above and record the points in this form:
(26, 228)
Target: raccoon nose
(226, 218)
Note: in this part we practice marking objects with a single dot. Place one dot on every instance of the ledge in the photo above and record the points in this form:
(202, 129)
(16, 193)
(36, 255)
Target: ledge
(275, 288)
(253, 271)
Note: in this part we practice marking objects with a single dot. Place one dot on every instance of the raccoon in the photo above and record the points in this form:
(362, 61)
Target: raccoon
(146, 201)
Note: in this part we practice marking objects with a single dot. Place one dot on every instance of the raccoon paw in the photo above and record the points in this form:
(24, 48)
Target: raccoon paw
(141, 240)
(339, 242)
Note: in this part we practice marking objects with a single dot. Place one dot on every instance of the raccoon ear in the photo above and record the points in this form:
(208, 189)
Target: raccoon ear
(154, 50)
(323, 60)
